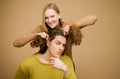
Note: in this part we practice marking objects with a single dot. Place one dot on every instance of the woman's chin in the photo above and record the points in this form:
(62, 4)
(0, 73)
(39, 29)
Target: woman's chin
(52, 26)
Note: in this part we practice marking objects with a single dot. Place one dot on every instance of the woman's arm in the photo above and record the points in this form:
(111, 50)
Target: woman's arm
(88, 20)
(21, 41)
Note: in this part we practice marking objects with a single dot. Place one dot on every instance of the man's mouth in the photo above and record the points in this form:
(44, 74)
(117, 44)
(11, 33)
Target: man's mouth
(59, 53)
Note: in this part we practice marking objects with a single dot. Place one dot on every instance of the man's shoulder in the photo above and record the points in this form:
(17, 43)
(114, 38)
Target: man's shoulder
(29, 60)
(65, 57)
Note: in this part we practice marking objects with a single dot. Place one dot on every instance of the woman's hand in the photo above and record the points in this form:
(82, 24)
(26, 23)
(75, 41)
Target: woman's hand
(43, 35)
(66, 29)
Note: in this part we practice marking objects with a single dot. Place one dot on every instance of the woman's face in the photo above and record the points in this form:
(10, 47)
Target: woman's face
(52, 18)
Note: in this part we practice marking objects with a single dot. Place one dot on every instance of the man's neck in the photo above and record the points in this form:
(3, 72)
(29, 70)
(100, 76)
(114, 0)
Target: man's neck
(45, 58)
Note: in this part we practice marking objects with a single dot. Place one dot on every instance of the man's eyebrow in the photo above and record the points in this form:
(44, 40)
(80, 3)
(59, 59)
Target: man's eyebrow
(60, 41)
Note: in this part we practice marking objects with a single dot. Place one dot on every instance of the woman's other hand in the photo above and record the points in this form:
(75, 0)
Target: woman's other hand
(43, 35)
(66, 29)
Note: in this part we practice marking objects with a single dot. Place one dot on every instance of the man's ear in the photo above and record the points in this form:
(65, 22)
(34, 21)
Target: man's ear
(48, 43)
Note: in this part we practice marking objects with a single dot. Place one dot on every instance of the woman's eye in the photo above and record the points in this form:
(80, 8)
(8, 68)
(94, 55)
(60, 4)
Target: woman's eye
(52, 16)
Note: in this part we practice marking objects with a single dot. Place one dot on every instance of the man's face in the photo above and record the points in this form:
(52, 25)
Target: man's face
(57, 46)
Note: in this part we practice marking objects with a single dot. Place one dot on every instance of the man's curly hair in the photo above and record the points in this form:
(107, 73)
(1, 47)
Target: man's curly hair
(75, 35)
(39, 42)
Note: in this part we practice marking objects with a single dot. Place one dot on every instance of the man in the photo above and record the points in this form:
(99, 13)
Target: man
(50, 62)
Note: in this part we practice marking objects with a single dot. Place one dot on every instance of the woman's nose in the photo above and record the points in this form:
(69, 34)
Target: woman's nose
(49, 20)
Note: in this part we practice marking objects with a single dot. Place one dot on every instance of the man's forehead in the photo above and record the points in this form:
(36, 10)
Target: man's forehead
(60, 38)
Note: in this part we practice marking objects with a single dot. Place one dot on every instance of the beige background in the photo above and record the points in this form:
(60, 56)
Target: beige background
(96, 58)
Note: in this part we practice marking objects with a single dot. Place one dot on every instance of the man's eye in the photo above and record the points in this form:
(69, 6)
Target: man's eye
(64, 45)
(58, 43)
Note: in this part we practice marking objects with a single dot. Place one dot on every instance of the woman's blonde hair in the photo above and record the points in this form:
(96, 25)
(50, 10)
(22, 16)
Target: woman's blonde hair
(53, 6)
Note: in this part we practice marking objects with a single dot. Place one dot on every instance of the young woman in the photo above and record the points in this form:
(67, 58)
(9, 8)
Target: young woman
(50, 62)
(52, 19)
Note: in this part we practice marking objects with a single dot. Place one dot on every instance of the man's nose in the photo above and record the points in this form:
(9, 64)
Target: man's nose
(61, 48)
